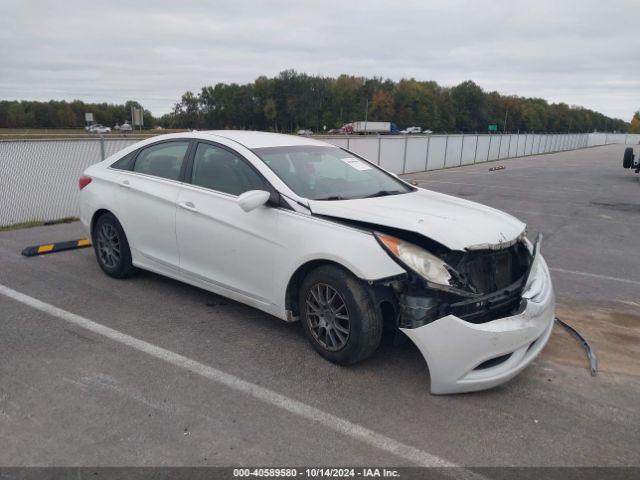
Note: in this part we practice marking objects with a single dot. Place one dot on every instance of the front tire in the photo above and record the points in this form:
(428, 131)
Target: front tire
(338, 315)
(111, 247)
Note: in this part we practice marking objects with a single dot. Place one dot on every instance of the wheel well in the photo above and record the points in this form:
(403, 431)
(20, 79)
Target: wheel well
(96, 216)
(381, 296)
(293, 287)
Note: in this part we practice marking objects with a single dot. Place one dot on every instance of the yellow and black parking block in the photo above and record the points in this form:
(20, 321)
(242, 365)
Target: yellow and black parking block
(55, 247)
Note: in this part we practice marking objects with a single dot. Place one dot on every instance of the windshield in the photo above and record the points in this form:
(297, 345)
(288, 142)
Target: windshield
(329, 173)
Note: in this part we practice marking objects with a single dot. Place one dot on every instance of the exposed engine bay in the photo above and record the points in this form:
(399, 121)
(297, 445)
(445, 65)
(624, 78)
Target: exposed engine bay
(486, 283)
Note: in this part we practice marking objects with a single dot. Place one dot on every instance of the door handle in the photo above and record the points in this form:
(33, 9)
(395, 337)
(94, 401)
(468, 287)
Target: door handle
(125, 184)
(188, 206)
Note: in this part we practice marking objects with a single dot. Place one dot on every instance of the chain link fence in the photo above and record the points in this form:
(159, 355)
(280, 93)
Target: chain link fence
(38, 180)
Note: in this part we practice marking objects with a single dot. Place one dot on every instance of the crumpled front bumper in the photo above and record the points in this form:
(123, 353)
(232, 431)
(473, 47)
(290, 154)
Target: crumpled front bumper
(502, 348)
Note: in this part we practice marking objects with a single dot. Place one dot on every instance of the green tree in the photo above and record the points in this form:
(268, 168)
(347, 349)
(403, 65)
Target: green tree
(470, 107)
(634, 127)
(271, 113)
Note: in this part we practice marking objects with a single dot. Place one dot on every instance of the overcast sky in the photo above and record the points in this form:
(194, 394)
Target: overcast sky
(581, 52)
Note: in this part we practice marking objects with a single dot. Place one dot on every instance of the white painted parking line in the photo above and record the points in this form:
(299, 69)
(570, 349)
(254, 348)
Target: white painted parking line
(595, 275)
(290, 405)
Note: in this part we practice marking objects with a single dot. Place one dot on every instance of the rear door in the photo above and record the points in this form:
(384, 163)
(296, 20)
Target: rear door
(219, 242)
(146, 198)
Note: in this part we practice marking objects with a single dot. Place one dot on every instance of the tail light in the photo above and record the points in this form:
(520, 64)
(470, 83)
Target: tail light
(83, 181)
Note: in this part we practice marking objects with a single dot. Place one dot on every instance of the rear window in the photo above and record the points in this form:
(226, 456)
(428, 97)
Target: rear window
(163, 160)
(126, 162)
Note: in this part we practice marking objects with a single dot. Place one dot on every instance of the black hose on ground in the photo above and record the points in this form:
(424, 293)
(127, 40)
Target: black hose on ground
(593, 361)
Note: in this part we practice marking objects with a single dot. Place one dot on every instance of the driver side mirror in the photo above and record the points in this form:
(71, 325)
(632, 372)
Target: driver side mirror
(253, 199)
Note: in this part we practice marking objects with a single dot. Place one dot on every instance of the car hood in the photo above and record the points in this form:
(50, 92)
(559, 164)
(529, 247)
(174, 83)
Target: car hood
(453, 222)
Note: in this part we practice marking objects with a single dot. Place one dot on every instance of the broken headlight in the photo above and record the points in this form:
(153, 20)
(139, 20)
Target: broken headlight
(432, 269)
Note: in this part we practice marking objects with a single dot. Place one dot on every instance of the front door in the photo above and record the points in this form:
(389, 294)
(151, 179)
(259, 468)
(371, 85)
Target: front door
(218, 241)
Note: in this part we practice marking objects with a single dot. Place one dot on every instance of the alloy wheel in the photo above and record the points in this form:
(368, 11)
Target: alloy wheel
(108, 243)
(327, 316)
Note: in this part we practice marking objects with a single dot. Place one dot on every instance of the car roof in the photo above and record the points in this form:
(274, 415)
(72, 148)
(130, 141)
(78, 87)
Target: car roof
(254, 139)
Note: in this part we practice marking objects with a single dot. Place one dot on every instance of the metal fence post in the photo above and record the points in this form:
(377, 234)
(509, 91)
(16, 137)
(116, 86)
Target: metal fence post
(379, 147)
(446, 147)
(475, 154)
(102, 147)
(426, 158)
(489, 149)
(500, 146)
(404, 157)
(461, 149)
(509, 147)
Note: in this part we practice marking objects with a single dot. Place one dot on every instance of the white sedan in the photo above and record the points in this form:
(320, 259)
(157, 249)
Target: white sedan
(307, 231)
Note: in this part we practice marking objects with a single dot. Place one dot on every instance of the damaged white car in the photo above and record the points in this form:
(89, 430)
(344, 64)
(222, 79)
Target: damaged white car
(308, 231)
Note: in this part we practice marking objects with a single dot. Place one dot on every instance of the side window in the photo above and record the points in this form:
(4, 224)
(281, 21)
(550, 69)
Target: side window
(126, 162)
(221, 170)
(163, 160)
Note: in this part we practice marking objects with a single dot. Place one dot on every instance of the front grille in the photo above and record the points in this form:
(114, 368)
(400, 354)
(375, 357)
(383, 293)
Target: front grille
(498, 276)
(487, 271)
(502, 303)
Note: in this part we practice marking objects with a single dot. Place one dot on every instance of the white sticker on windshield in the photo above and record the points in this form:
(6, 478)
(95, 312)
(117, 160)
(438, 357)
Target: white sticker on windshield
(355, 163)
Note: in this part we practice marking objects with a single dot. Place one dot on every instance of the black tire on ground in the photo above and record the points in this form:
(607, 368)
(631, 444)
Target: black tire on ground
(343, 295)
(627, 160)
(111, 247)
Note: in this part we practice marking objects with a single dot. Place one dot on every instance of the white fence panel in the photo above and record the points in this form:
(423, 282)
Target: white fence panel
(521, 140)
(366, 147)
(482, 149)
(494, 147)
(504, 146)
(594, 139)
(454, 151)
(392, 153)
(542, 143)
(437, 152)
(512, 141)
(416, 157)
(528, 145)
(337, 141)
(468, 149)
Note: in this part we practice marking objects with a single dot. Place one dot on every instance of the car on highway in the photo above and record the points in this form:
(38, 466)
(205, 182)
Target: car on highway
(307, 231)
(97, 128)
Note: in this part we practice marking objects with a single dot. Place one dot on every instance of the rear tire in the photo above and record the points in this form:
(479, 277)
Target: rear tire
(627, 160)
(111, 247)
(338, 315)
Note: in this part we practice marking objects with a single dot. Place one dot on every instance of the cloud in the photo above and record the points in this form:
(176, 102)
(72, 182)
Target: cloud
(582, 52)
